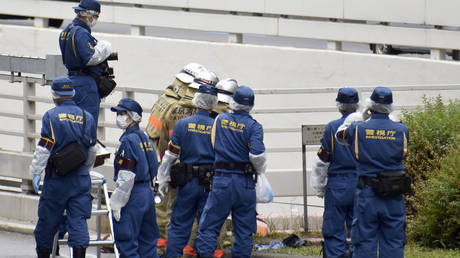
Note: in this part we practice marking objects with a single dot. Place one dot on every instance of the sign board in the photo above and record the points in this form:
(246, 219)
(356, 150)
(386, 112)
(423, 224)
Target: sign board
(312, 134)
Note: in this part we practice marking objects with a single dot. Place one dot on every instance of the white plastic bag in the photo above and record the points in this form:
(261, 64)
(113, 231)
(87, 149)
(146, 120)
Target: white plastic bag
(264, 192)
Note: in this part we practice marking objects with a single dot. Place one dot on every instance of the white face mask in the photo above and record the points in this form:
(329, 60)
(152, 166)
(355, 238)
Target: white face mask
(92, 23)
(122, 121)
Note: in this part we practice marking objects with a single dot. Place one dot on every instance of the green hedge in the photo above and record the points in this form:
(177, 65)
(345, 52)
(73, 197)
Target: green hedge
(437, 223)
(432, 162)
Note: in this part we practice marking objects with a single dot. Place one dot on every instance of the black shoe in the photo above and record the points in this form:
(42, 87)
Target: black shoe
(44, 253)
(79, 252)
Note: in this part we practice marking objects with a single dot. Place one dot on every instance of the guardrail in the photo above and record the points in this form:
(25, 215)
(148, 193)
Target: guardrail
(431, 24)
(287, 182)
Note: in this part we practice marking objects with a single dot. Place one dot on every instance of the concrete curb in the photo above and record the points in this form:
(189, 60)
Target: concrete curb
(16, 226)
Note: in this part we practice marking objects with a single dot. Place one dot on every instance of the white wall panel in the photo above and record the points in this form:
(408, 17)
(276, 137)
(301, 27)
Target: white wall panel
(312, 8)
(443, 12)
(428, 38)
(406, 11)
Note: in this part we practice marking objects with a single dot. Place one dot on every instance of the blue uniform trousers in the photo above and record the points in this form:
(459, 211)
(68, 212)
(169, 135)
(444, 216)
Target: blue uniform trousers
(378, 223)
(233, 193)
(72, 193)
(338, 209)
(86, 93)
(190, 201)
(137, 232)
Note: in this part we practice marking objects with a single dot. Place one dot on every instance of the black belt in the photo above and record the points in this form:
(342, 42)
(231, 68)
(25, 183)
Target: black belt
(194, 169)
(231, 166)
(141, 181)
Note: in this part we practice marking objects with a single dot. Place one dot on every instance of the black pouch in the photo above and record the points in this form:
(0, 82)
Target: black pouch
(179, 175)
(205, 175)
(68, 159)
(249, 170)
(391, 184)
(105, 86)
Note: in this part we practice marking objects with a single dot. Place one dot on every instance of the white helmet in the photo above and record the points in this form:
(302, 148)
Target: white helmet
(204, 77)
(225, 89)
(189, 72)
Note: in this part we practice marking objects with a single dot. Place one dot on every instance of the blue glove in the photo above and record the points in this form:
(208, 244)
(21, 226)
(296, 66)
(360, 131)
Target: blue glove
(36, 182)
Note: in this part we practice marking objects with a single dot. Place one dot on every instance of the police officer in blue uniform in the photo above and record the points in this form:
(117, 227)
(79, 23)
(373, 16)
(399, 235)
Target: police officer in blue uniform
(191, 144)
(335, 165)
(239, 156)
(135, 227)
(379, 146)
(62, 125)
(83, 55)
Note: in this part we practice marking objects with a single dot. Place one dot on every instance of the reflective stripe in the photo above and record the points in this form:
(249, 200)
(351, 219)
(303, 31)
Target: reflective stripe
(153, 120)
(73, 44)
(356, 143)
(52, 132)
(174, 149)
(332, 142)
(213, 132)
(404, 145)
(46, 143)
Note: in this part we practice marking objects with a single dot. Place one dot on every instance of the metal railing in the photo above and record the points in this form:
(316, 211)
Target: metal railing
(29, 132)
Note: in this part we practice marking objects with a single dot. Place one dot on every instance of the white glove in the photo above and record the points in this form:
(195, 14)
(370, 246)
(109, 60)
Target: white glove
(91, 156)
(39, 161)
(102, 50)
(116, 214)
(259, 162)
(353, 117)
(320, 192)
(122, 192)
(163, 188)
(318, 177)
(164, 171)
(366, 112)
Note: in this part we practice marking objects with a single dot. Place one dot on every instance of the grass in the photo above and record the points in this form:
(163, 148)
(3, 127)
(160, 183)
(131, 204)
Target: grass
(412, 250)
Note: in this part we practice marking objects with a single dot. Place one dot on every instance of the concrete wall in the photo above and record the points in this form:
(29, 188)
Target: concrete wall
(150, 62)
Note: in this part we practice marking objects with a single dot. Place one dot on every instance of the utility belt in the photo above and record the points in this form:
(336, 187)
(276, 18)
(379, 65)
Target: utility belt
(182, 173)
(387, 184)
(246, 167)
(105, 84)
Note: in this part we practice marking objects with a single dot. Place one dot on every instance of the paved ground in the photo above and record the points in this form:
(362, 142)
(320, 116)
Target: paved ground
(18, 245)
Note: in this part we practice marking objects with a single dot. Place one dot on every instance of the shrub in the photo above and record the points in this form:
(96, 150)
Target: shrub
(432, 130)
(437, 223)
(433, 205)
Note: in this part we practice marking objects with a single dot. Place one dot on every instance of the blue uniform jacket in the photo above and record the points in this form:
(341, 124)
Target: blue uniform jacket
(63, 125)
(238, 134)
(341, 157)
(79, 46)
(379, 144)
(192, 137)
(131, 149)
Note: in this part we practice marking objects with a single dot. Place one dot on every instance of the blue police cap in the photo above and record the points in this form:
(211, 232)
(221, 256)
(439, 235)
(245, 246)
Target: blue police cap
(244, 96)
(347, 96)
(62, 86)
(92, 5)
(382, 95)
(207, 89)
(127, 104)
